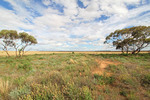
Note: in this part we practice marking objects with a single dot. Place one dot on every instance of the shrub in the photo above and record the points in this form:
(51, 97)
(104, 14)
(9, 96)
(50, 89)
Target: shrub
(43, 92)
(86, 93)
(145, 80)
(41, 58)
(71, 91)
(19, 81)
(128, 80)
(54, 77)
(9, 61)
(18, 92)
(104, 79)
(26, 66)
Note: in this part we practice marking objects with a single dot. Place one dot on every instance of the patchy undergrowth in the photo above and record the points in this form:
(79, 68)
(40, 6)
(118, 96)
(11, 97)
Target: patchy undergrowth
(75, 76)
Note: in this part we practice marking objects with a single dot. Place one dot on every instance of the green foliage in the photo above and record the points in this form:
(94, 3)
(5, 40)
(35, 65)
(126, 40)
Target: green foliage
(72, 52)
(71, 92)
(123, 93)
(18, 92)
(26, 38)
(19, 81)
(40, 92)
(9, 60)
(8, 34)
(104, 79)
(86, 93)
(41, 58)
(25, 66)
(8, 37)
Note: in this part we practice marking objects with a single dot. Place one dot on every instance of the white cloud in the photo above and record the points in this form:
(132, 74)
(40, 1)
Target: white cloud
(74, 26)
(46, 2)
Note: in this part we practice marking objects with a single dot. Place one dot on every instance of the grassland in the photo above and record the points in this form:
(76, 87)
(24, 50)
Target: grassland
(75, 76)
(12, 53)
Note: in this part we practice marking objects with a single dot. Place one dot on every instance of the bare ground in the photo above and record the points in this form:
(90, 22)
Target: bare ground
(103, 64)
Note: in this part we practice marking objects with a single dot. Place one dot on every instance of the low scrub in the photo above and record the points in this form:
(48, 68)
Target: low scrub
(71, 77)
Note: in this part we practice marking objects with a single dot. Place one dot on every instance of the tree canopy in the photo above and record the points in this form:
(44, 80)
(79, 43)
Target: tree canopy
(132, 39)
(11, 39)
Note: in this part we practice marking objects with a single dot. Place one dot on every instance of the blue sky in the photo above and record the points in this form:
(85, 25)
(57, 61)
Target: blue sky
(79, 25)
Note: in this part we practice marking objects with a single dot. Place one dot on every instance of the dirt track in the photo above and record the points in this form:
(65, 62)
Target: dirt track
(100, 70)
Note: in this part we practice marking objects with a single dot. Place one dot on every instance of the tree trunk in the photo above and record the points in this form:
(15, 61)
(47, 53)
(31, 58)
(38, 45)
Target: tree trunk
(6, 51)
(127, 51)
(133, 52)
(138, 51)
(16, 52)
(24, 49)
(122, 50)
(19, 53)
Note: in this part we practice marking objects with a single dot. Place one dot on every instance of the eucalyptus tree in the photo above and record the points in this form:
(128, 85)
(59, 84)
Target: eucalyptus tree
(132, 39)
(11, 39)
(26, 40)
(7, 39)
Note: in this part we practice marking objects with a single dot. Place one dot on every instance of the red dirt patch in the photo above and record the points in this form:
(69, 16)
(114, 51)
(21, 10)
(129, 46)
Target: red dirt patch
(100, 70)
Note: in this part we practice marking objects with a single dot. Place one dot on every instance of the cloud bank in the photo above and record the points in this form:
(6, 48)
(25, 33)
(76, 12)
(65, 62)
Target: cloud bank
(72, 24)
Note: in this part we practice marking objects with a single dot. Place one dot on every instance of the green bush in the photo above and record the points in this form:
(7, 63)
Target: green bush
(25, 66)
(104, 79)
(9, 61)
(18, 92)
(86, 93)
(19, 81)
(71, 91)
(43, 92)
(41, 58)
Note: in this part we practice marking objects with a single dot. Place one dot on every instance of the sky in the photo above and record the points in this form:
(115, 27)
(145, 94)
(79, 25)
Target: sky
(72, 25)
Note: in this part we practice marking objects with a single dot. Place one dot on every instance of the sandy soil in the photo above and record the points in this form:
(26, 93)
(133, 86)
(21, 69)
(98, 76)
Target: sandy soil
(103, 64)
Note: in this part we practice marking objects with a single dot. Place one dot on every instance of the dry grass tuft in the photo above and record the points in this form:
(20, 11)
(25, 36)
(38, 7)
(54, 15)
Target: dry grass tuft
(4, 88)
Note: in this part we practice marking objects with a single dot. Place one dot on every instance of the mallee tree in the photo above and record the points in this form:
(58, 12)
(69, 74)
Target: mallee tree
(132, 39)
(11, 39)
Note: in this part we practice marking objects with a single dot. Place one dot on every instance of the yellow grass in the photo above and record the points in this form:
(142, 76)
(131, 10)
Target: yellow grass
(4, 86)
(2, 53)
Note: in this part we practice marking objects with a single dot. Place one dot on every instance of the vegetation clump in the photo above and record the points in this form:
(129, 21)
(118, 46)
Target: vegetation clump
(132, 39)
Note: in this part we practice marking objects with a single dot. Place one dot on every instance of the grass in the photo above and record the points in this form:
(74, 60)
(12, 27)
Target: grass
(70, 76)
